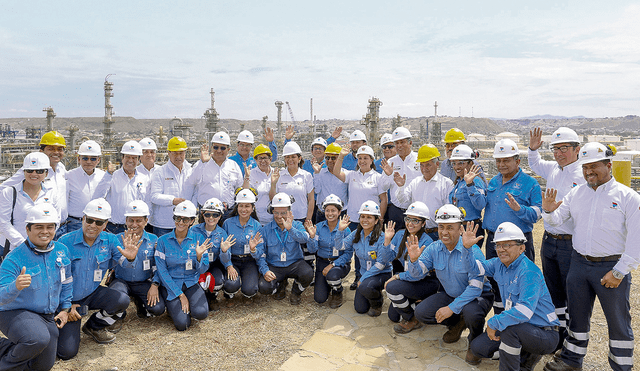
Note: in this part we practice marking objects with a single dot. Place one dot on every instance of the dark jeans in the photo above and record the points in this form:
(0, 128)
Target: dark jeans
(139, 291)
(198, 306)
(397, 215)
(369, 293)
(161, 231)
(31, 341)
(332, 282)
(115, 228)
(299, 270)
(247, 280)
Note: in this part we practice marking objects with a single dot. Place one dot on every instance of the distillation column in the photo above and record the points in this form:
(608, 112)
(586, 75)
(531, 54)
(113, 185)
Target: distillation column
(212, 119)
(50, 116)
(107, 141)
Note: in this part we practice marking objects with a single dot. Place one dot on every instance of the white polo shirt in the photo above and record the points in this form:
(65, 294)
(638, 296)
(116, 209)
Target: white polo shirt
(167, 183)
(408, 167)
(299, 186)
(261, 182)
(209, 180)
(81, 188)
(363, 187)
(119, 191)
(433, 192)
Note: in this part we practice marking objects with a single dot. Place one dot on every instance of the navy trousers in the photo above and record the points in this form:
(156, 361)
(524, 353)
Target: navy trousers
(31, 342)
(198, 306)
(300, 270)
(404, 294)
(369, 293)
(331, 283)
(248, 276)
(139, 291)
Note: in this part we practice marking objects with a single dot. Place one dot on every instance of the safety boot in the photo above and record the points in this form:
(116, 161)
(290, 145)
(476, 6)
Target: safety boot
(454, 332)
(281, 292)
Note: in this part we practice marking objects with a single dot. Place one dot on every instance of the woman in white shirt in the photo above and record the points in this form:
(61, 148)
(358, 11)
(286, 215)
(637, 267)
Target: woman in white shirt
(260, 181)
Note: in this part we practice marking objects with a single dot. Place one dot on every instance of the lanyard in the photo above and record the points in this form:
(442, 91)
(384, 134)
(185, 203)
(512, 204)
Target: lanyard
(279, 239)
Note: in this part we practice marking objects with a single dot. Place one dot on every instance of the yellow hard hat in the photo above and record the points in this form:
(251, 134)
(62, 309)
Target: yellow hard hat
(333, 149)
(53, 138)
(427, 153)
(260, 149)
(177, 144)
(454, 135)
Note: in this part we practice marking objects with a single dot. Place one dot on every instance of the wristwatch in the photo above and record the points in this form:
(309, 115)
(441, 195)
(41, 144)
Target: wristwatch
(617, 275)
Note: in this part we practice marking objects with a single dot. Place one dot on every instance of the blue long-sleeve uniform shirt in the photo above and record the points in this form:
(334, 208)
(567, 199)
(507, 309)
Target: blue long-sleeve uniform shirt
(328, 244)
(251, 162)
(424, 240)
(216, 237)
(472, 198)
(89, 264)
(242, 234)
(374, 259)
(460, 280)
(525, 189)
(275, 242)
(51, 280)
(523, 290)
(173, 259)
(446, 169)
(349, 162)
(135, 271)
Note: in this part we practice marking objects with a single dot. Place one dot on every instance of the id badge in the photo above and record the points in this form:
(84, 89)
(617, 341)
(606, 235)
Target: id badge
(146, 264)
(210, 257)
(369, 264)
(507, 304)
(283, 257)
(406, 265)
(97, 275)
(247, 249)
(335, 252)
(188, 265)
(63, 275)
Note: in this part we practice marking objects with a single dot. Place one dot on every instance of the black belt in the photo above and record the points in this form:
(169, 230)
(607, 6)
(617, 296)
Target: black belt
(558, 236)
(431, 230)
(73, 217)
(550, 328)
(610, 258)
(241, 256)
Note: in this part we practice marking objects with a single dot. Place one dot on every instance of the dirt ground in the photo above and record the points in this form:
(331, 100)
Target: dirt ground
(260, 334)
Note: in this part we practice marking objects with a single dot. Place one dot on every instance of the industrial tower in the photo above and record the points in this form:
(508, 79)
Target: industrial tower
(372, 121)
(211, 116)
(279, 122)
(107, 140)
(50, 116)
(436, 128)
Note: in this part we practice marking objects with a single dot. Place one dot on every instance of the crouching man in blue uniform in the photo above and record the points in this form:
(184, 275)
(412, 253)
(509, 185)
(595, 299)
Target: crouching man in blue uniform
(279, 255)
(93, 252)
(528, 326)
(35, 295)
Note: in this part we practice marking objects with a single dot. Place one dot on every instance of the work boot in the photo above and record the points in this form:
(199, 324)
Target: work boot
(454, 332)
(281, 293)
(141, 310)
(335, 300)
(354, 285)
(405, 327)
(116, 326)
(101, 336)
(529, 361)
(559, 365)
(471, 358)
(374, 311)
(214, 304)
(294, 298)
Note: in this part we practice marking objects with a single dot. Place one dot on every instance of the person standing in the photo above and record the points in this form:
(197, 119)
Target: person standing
(605, 216)
(148, 158)
(245, 143)
(260, 181)
(453, 138)
(325, 182)
(357, 139)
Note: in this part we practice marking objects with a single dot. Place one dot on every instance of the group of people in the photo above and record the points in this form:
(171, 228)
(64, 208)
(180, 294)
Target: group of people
(180, 237)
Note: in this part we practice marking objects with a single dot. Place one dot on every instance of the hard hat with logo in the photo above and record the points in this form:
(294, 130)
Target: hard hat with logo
(462, 152)
(98, 208)
(291, 148)
(564, 135)
(176, 144)
(401, 133)
(42, 213)
(53, 138)
(369, 208)
(418, 209)
(333, 149)
(35, 161)
(245, 136)
(386, 138)
(261, 149)
(508, 231)
(319, 141)
(213, 204)
(449, 214)
(245, 196)
(221, 138)
(357, 135)
(594, 152)
(505, 148)
(131, 148)
(281, 200)
(90, 148)
(333, 200)
(454, 135)
(148, 143)
(427, 153)
(137, 208)
(185, 208)
(366, 150)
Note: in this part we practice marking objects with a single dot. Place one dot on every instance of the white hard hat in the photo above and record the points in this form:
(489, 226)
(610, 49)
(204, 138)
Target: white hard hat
(401, 133)
(291, 148)
(245, 197)
(35, 161)
(221, 138)
(281, 200)
(213, 204)
(462, 152)
(319, 141)
(418, 209)
(357, 135)
(365, 150)
(508, 231)
(449, 214)
(594, 152)
(98, 208)
(245, 136)
(148, 143)
(42, 213)
(333, 200)
(564, 135)
(369, 208)
(505, 148)
(137, 208)
(386, 138)
(90, 148)
(185, 208)
(131, 148)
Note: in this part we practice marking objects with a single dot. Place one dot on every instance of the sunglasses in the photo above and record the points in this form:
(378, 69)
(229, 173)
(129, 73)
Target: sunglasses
(98, 222)
(92, 159)
(211, 215)
(184, 219)
(222, 148)
(39, 171)
(388, 146)
(408, 220)
(331, 158)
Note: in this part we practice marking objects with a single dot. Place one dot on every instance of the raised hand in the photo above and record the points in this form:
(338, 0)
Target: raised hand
(23, 280)
(131, 244)
(311, 229)
(111, 167)
(246, 172)
(384, 164)
(204, 153)
(399, 179)
(268, 135)
(315, 165)
(275, 175)
(344, 222)
(288, 132)
(469, 235)
(288, 220)
(389, 231)
(344, 152)
(413, 249)
(201, 249)
(227, 243)
(511, 201)
(549, 203)
(535, 139)
(473, 172)
(336, 132)
(254, 241)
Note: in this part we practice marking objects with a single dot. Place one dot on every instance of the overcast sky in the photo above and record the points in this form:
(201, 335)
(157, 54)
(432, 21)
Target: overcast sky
(502, 58)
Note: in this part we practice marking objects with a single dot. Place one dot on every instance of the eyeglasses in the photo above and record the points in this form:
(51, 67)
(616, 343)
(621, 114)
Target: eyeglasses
(280, 213)
(211, 215)
(184, 219)
(459, 163)
(505, 246)
(263, 158)
(408, 220)
(388, 146)
(98, 222)
(317, 148)
(562, 149)
(38, 171)
(222, 148)
(244, 145)
(92, 159)
(331, 158)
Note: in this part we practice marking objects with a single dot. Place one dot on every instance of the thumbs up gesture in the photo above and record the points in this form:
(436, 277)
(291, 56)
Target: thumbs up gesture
(24, 280)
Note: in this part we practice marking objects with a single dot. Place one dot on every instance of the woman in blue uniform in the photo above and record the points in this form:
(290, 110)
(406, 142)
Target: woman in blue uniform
(334, 263)
(181, 258)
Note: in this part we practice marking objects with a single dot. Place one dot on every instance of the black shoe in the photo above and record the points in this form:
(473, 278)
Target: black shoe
(529, 361)
(374, 312)
(141, 310)
(354, 285)
(116, 326)
(281, 293)
(214, 304)
(559, 365)
(294, 298)
(335, 300)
